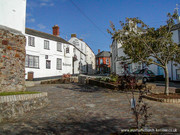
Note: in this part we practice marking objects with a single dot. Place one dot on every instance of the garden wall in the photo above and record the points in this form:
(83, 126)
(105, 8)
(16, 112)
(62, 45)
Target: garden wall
(12, 106)
(12, 60)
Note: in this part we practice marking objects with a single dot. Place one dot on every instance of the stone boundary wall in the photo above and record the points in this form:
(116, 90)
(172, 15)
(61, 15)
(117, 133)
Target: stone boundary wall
(12, 60)
(14, 105)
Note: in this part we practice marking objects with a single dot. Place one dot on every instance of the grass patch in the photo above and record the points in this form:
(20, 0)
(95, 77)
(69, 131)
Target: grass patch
(17, 93)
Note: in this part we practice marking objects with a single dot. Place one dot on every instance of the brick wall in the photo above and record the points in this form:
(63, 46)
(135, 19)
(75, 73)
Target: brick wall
(12, 60)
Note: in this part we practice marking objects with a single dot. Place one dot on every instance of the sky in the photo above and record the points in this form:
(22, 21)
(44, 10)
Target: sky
(89, 19)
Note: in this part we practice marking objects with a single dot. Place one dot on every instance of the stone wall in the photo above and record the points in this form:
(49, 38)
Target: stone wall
(12, 106)
(12, 60)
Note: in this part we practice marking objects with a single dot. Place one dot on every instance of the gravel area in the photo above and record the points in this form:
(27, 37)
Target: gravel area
(85, 110)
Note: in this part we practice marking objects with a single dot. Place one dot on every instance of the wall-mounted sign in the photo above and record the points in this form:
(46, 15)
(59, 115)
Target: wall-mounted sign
(66, 64)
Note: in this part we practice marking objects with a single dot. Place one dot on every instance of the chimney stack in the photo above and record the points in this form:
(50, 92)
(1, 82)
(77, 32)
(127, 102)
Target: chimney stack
(73, 35)
(56, 30)
(98, 50)
(81, 39)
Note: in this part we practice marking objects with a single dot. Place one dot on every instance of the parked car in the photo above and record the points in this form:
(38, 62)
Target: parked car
(145, 74)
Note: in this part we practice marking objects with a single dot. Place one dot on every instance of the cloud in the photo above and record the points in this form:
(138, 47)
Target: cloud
(31, 20)
(32, 4)
(43, 4)
(52, 4)
(28, 14)
(84, 36)
(41, 26)
(46, 4)
(46, 0)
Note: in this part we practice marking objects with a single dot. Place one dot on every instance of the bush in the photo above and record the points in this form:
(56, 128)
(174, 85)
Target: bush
(114, 77)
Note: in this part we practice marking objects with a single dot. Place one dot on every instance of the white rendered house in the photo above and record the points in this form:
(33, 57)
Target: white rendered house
(85, 62)
(47, 55)
(117, 52)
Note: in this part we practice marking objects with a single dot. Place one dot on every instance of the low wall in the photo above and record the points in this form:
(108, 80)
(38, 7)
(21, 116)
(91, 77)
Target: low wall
(104, 84)
(61, 80)
(12, 106)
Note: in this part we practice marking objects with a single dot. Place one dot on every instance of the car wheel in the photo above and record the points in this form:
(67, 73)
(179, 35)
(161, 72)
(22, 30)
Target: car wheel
(144, 80)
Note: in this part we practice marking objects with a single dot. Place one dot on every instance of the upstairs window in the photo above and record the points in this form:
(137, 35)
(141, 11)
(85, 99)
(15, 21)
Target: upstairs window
(59, 46)
(97, 63)
(81, 46)
(46, 44)
(107, 61)
(101, 61)
(74, 50)
(31, 41)
(67, 49)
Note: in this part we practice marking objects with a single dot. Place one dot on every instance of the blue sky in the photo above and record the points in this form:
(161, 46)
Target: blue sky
(92, 20)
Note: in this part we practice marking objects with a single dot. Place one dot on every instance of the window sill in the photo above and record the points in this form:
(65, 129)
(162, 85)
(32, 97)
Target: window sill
(33, 67)
(31, 45)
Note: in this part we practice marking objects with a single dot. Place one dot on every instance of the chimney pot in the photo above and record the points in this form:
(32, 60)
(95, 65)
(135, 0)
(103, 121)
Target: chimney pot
(56, 30)
(81, 39)
(98, 50)
(73, 35)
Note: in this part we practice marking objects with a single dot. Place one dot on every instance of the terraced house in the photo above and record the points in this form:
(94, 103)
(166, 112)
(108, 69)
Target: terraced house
(47, 55)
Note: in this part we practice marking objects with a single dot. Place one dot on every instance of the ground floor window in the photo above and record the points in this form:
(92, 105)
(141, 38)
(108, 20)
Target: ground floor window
(59, 64)
(32, 61)
(48, 64)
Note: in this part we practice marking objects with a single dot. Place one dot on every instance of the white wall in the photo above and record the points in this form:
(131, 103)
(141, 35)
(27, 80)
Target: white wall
(53, 54)
(173, 69)
(13, 14)
(90, 59)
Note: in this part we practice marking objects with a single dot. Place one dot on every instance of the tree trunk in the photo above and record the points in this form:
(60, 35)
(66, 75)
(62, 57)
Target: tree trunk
(166, 91)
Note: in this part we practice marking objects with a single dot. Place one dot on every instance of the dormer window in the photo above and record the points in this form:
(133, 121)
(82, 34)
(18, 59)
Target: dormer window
(59, 46)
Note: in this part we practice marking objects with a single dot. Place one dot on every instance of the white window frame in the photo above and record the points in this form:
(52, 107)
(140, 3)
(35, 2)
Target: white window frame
(31, 41)
(59, 64)
(32, 61)
(107, 61)
(59, 46)
(46, 44)
(48, 67)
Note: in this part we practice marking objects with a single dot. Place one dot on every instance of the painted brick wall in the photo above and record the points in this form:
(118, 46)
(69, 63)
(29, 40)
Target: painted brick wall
(12, 60)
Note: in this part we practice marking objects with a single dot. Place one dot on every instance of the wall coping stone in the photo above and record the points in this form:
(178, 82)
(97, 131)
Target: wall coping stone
(22, 97)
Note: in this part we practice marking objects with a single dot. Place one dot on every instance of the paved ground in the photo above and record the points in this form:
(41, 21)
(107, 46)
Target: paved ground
(79, 110)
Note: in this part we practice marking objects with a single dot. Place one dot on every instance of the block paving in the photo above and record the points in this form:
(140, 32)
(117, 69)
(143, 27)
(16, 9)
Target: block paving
(88, 110)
